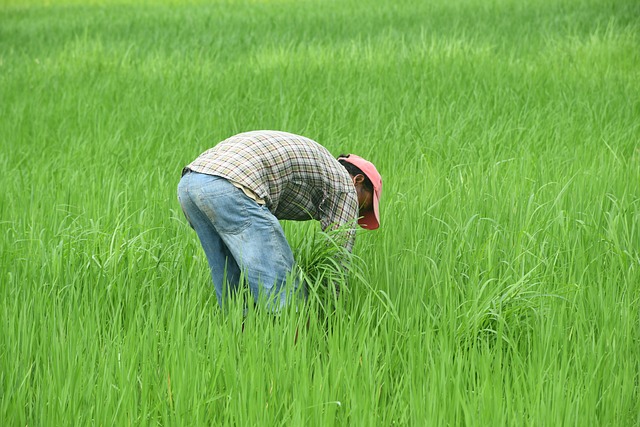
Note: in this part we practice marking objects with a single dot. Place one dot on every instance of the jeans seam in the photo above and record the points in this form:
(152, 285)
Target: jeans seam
(187, 196)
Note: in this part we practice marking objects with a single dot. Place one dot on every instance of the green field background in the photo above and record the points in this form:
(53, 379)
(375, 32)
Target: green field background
(503, 287)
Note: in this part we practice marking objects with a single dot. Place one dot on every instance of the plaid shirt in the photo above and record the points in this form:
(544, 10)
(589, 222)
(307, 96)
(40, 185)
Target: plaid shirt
(297, 177)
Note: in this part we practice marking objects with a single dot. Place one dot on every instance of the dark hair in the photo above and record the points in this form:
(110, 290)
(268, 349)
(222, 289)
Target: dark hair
(354, 170)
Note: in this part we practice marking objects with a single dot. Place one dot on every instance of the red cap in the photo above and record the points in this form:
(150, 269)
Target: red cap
(370, 220)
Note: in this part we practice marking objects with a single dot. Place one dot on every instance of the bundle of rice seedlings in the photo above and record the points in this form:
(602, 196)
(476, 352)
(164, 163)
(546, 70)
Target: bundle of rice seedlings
(325, 266)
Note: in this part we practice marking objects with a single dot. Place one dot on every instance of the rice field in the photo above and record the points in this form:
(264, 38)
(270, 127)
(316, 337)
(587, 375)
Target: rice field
(503, 287)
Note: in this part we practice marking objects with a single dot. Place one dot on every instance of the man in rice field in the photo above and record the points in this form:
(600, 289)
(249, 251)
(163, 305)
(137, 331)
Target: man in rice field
(234, 194)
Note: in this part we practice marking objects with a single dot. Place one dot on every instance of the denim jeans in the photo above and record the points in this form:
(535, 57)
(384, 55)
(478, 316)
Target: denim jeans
(241, 239)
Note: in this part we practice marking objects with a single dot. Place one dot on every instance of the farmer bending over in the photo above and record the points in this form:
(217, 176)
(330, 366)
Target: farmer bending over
(234, 193)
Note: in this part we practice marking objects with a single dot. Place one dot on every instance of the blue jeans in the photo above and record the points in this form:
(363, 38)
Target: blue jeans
(241, 239)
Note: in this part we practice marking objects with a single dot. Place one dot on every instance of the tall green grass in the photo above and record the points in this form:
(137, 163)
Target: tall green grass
(503, 287)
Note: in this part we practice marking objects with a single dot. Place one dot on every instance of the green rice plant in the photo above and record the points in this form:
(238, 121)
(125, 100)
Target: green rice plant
(326, 267)
(501, 309)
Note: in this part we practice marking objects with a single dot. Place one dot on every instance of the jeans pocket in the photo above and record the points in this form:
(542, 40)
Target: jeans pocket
(226, 209)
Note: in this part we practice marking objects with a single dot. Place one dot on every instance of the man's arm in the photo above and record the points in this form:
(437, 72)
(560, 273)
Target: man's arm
(341, 211)
(341, 216)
